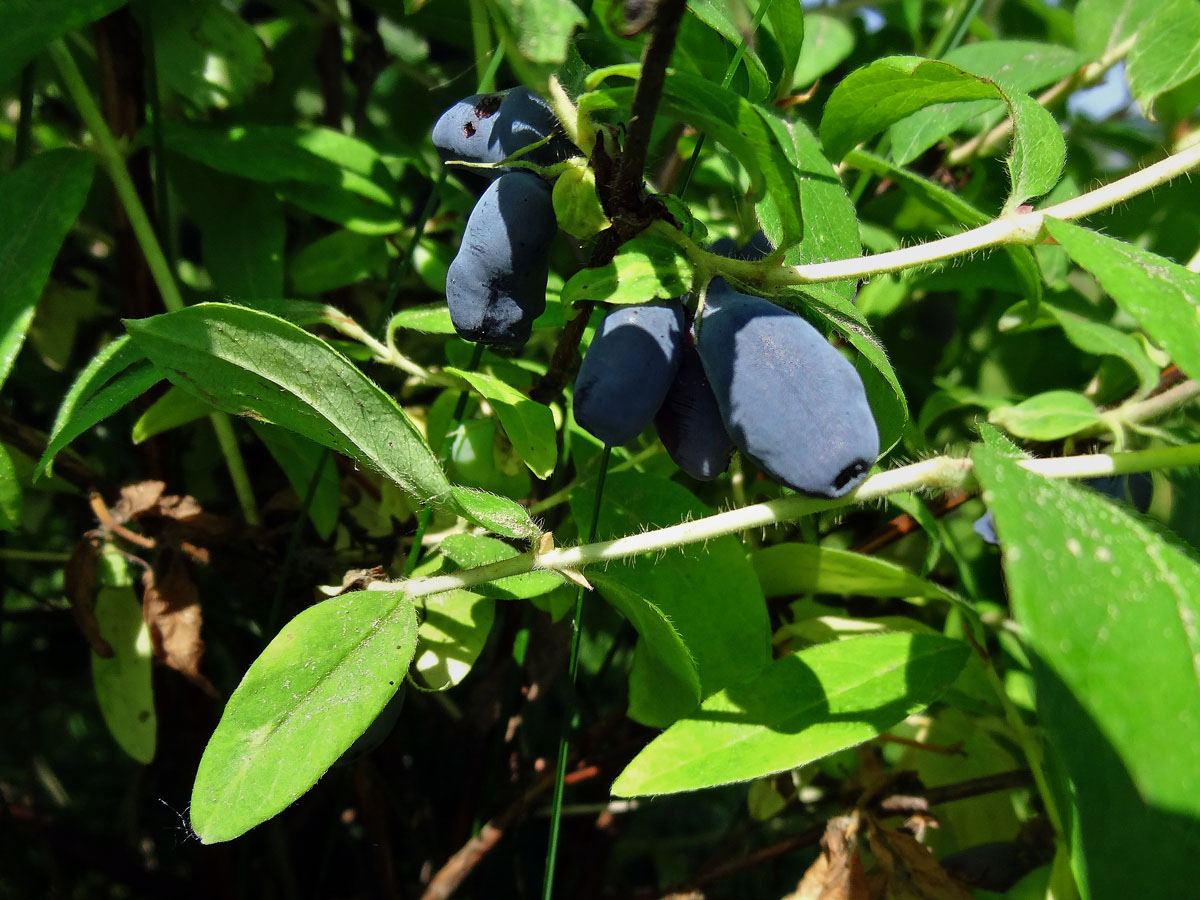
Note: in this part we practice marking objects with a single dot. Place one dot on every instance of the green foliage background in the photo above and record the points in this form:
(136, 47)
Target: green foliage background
(223, 251)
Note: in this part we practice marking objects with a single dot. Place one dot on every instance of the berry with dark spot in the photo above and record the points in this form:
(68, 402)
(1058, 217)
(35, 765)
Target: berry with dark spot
(489, 128)
(789, 400)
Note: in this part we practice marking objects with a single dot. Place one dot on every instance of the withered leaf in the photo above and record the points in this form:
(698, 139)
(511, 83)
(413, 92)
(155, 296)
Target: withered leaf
(907, 868)
(136, 499)
(79, 584)
(838, 872)
(171, 608)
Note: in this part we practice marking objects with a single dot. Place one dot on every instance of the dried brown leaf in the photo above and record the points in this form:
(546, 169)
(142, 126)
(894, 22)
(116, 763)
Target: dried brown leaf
(79, 584)
(171, 608)
(179, 508)
(838, 872)
(908, 869)
(136, 499)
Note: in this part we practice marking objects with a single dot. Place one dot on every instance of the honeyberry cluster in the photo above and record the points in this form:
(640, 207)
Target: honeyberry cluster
(496, 285)
(752, 375)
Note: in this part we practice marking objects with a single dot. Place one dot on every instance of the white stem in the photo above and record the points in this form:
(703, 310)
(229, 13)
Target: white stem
(1022, 228)
(940, 473)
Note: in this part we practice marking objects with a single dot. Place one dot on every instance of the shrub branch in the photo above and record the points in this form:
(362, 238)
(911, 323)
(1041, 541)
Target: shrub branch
(941, 473)
(1023, 228)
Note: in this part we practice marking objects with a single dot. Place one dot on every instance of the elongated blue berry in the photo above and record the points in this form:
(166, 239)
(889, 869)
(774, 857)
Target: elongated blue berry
(628, 369)
(789, 400)
(496, 285)
(689, 422)
(489, 128)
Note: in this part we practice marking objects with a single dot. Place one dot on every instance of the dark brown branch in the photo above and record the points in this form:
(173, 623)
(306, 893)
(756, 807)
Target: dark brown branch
(621, 190)
(627, 190)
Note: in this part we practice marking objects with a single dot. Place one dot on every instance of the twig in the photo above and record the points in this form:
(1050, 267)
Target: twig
(622, 194)
(1023, 228)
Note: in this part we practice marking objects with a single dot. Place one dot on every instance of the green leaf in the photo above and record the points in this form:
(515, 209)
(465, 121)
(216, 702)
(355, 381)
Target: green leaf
(1038, 153)
(26, 26)
(496, 513)
(799, 709)
(301, 460)
(1161, 295)
(718, 16)
(10, 493)
(1102, 25)
(316, 687)
(754, 134)
(241, 229)
(115, 377)
(1104, 340)
(432, 318)
(453, 631)
(830, 221)
(827, 41)
(646, 268)
(786, 569)
(786, 22)
(41, 200)
(1020, 66)
(528, 424)
(536, 35)
(576, 204)
(325, 172)
(884, 92)
(1166, 53)
(1107, 608)
(336, 260)
(871, 98)
(667, 676)
(122, 682)
(205, 53)
(253, 364)
(470, 550)
(708, 594)
(1048, 416)
(174, 408)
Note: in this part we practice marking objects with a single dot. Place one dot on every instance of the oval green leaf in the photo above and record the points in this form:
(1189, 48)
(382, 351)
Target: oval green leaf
(316, 687)
(122, 683)
(799, 709)
(253, 364)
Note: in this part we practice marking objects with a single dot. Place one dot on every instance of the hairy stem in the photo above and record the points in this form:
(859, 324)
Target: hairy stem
(1022, 228)
(941, 473)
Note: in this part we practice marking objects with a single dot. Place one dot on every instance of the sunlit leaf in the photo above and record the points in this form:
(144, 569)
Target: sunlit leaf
(800, 708)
